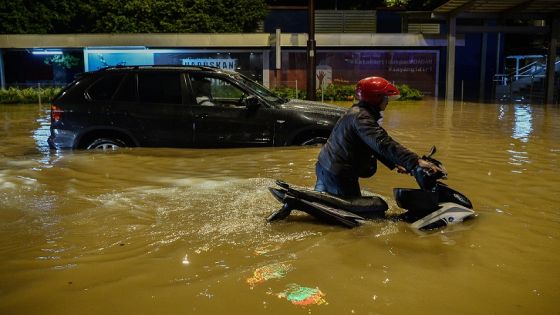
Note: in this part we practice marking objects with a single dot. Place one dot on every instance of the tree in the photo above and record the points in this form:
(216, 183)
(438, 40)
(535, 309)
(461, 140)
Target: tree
(179, 16)
(21, 16)
(130, 16)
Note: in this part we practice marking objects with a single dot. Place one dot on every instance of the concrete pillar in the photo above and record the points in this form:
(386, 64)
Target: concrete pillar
(86, 60)
(498, 50)
(311, 52)
(266, 68)
(2, 77)
(450, 65)
(484, 45)
(551, 60)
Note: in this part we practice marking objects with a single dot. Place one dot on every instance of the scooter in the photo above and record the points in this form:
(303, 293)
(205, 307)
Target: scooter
(433, 205)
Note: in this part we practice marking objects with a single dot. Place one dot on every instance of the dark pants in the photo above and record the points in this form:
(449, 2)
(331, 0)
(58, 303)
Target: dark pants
(343, 186)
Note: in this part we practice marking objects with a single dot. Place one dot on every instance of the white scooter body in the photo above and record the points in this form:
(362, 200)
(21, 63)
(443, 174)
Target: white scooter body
(449, 213)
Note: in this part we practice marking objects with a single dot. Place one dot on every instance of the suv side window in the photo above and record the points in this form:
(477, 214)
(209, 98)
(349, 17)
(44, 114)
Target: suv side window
(127, 91)
(160, 87)
(215, 91)
(104, 88)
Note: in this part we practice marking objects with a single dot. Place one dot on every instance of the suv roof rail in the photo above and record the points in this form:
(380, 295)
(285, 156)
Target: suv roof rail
(212, 68)
(79, 75)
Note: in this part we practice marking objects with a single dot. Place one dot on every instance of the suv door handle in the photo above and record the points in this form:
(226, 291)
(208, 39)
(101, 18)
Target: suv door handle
(201, 116)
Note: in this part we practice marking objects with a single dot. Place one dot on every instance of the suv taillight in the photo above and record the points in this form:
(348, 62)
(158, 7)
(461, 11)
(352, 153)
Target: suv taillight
(56, 113)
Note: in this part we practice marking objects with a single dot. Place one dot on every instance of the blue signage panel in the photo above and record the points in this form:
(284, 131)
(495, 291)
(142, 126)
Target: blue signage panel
(248, 63)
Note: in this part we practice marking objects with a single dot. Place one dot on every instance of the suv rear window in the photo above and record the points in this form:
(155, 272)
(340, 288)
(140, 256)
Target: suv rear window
(104, 88)
(158, 87)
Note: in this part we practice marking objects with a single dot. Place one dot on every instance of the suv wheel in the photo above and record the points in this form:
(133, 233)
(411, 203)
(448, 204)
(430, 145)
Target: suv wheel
(105, 144)
(315, 141)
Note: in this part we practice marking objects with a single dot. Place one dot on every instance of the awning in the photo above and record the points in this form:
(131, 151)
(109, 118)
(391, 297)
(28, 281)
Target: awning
(502, 8)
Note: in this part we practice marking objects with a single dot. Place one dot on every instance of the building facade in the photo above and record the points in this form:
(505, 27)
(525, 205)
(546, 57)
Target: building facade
(450, 54)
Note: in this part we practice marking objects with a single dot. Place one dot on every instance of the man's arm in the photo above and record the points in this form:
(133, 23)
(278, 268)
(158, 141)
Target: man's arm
(387, 151)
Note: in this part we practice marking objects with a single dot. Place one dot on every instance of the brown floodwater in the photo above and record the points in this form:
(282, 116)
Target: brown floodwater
(183, 231)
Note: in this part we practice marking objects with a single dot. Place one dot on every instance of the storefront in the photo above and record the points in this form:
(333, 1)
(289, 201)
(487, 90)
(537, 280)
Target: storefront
(56, 67)
(416, 68)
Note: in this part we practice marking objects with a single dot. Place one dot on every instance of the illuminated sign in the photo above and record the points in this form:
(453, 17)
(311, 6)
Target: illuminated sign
(227, 64)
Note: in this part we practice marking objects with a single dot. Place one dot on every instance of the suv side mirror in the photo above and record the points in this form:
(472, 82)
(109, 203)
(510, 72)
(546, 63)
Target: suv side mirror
(252, 102)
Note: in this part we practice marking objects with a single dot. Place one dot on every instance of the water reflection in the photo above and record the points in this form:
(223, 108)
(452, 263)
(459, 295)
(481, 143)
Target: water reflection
(502, 110)
(518, 158)
(41, 134)
(523, 122)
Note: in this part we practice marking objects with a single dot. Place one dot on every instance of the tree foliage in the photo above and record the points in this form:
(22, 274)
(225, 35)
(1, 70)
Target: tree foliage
(66, 61)
(21, 16)
(130, 16)
(334, 92)
(14, 95)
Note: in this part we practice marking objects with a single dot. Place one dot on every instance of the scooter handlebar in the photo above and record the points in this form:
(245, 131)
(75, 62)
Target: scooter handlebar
(427, 177)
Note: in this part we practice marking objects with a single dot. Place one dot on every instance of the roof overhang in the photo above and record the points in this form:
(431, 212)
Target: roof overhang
(215, 41)
(536, 9)
(151, 40)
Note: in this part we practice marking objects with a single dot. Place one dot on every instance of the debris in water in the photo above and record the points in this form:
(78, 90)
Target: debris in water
(299, 295)
(186, 260)
(263, 250)
(273, 271)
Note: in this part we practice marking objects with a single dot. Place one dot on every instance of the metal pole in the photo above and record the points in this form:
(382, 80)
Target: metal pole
(462, 90)
(39, 93)
(311, 52)
(483, 49)
(296, 91)
(511, 90)
(531, 91)
(551, 61)
(2, 78)
(498, 46)
(450, 75)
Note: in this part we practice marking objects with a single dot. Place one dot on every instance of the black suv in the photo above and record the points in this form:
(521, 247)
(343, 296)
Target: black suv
(181, 106)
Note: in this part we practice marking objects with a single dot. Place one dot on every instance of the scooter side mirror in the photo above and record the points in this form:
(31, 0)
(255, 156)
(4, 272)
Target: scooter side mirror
(433, 151)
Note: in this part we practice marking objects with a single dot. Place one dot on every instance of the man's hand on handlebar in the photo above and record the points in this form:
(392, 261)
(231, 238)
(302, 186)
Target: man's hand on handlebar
(428, 166)
(401, 170)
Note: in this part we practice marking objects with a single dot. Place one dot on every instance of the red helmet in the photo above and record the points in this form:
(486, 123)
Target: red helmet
(372, 90)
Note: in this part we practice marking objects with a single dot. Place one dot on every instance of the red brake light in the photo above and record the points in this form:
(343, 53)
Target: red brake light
(56, 113)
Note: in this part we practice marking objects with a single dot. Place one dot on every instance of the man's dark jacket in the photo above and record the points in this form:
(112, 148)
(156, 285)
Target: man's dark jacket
(357, 140)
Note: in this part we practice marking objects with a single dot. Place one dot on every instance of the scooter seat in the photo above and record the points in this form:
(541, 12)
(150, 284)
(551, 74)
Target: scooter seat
(367, 206)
